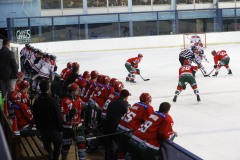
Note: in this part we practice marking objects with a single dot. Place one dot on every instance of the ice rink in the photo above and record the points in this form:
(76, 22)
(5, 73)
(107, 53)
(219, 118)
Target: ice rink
(210, 128)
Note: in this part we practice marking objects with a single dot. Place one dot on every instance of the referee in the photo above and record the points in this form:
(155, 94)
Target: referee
(187, 54)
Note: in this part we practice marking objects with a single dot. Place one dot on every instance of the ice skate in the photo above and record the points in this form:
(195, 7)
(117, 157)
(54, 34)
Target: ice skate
(230, 72)
(198, 98)
(215, 75)
(175, 99)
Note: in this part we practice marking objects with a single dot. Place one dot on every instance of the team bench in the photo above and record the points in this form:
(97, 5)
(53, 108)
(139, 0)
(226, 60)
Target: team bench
(22, 147)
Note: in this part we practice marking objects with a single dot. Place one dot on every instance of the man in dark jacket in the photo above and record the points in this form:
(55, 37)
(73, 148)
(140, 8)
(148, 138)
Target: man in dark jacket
(8, 68)
(47, 116)
(116, 109)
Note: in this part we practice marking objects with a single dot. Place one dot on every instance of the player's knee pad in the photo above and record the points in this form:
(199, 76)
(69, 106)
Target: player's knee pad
(196, 91)
(81, 151)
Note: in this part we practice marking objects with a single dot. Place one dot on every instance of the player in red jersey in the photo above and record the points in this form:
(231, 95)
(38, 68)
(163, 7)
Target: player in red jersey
(223, 59)
(19, 110)
(118, 86)
(132, 67)
(89, 87)
(66, 71)
(186, 75)
(146, 141)
(23, 89)
(132, 120)
(71, 109)
(82, 81)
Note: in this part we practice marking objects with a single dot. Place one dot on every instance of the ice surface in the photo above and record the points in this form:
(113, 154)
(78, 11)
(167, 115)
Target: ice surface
(209, 129)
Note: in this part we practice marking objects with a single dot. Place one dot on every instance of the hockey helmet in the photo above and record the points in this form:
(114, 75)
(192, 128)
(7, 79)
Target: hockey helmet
(145, 97)
(113, 81)
(106, 79)
(94, 74)
(75, 65)
(53, 57)
(140, 55)
(86, 75)
(15, 96)
(186, 62)
(100, 78)
(118, 86)
(69, 65)
(72, 87)
(193, 48)
(24, 84)
(213, 52)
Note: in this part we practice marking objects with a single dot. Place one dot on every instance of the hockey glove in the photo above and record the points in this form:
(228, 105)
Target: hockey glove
(55, 68)
(71, 114)
(193, 72)
(215, 66)
(138, 71)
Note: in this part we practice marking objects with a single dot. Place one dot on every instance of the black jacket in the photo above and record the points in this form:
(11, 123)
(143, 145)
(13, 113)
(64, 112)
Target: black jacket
(46, 113)
(8, 65)
(116, 109)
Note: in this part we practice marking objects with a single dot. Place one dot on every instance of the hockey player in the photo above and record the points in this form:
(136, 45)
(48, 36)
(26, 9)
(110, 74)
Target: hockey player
(23, 89)
(19, 110)
(146, 141)
(195, 39)
(132, 120)
(71, 109)
(118, 86)
(187, 54)
(82, 81)
(198, 60)
(89, 87)
(223, 59)
(74, 74)
(132, 67)
(66, 71)
(186, 75)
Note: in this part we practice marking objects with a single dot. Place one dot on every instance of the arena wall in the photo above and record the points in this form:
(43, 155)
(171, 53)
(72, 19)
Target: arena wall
(164, 41)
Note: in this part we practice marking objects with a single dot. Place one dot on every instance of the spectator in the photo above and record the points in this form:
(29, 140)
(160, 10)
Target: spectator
(116, 109)
(47, 117)
(145, 142)
(8, 69)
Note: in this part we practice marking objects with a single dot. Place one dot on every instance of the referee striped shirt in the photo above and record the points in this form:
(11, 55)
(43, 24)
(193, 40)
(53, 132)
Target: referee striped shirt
(187, 54)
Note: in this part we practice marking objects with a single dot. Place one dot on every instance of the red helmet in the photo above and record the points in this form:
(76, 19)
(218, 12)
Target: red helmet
(86, 75)
(94, 74)
(213, 52)
(20, 75)
(24, 84)
(186, 62)
(140, 55)
(145, 97)
(72, 87)
(75, 65)
(15, 96)
(69, 65)
(113, 81)
(118, 86)
(106, 79)
(99, 78)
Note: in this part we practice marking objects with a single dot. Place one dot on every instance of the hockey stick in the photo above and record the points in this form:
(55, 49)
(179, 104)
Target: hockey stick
(144, 78)
(106, 135)
(204, 73)
(208, 75)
